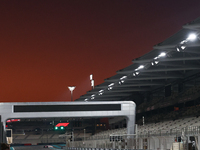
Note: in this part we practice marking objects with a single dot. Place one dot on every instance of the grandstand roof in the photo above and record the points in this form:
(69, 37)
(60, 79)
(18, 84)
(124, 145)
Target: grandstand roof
(173, 60)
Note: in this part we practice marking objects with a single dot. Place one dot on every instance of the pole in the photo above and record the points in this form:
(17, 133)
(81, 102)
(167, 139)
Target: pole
(71, 96)
(72, 139)
(71, 88)
(84, 137)
(143, 120)
(1, 132)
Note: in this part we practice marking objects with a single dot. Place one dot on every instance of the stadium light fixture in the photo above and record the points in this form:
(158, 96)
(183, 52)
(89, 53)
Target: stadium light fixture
(110, 88)
(136, 73)
(155, 57)
(140, 67)
(192, 37)
(101, 91)
(183, 47)
(123, 77)
(163, 54)
(91, 77)
(122, 81)
(111, 84)
(178, 50)
(71, 88)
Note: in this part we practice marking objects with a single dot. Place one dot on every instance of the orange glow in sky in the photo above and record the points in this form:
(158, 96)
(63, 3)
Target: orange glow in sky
(46, 46)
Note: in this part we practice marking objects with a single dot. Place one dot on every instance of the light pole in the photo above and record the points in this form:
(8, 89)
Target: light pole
(71, 88)
(84, 137)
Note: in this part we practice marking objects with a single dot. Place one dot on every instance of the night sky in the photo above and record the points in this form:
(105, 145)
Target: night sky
(48, 45)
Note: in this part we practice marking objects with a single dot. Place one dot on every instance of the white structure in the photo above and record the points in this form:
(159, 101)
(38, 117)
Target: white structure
(70, 109)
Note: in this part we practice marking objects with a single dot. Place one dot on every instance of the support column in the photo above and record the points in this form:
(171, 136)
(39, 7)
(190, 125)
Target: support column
(130, 131)
(2, 132)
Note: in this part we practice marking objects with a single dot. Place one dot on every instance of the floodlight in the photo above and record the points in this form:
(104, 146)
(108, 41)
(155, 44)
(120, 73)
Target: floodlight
(71, 88)
(192, 37)
(140, 67)
(178, 50)
(101, 91)
(110, 88)
(155, 57)
(162, 54)
(123, 77)
(183, 47)
(156, 62)
(183, 42)
(111, 84)
(91, 77)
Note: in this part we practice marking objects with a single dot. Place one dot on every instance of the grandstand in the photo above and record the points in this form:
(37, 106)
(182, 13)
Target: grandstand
(164, 84)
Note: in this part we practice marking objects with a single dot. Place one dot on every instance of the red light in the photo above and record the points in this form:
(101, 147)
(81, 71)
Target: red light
(13, 120)
(62, 124)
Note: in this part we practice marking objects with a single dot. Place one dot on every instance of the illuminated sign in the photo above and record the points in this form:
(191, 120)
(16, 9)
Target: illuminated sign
(13, 120)
(62, 124)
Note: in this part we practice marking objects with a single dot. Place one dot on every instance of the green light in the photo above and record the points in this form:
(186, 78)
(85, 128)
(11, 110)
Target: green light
(56, 128)
(61, 128)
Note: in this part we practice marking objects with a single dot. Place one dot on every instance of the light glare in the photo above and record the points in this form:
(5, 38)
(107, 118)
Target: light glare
(111, 84)
(162, 54)
(192, 37)
(91, 77)
(101, 91)
(141, 67)
(123, 77)
(183, 47)
(71, 88)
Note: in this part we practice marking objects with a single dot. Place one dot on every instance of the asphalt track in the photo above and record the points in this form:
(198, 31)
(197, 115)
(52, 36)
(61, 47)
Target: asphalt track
(37, 147)
(40, 147)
